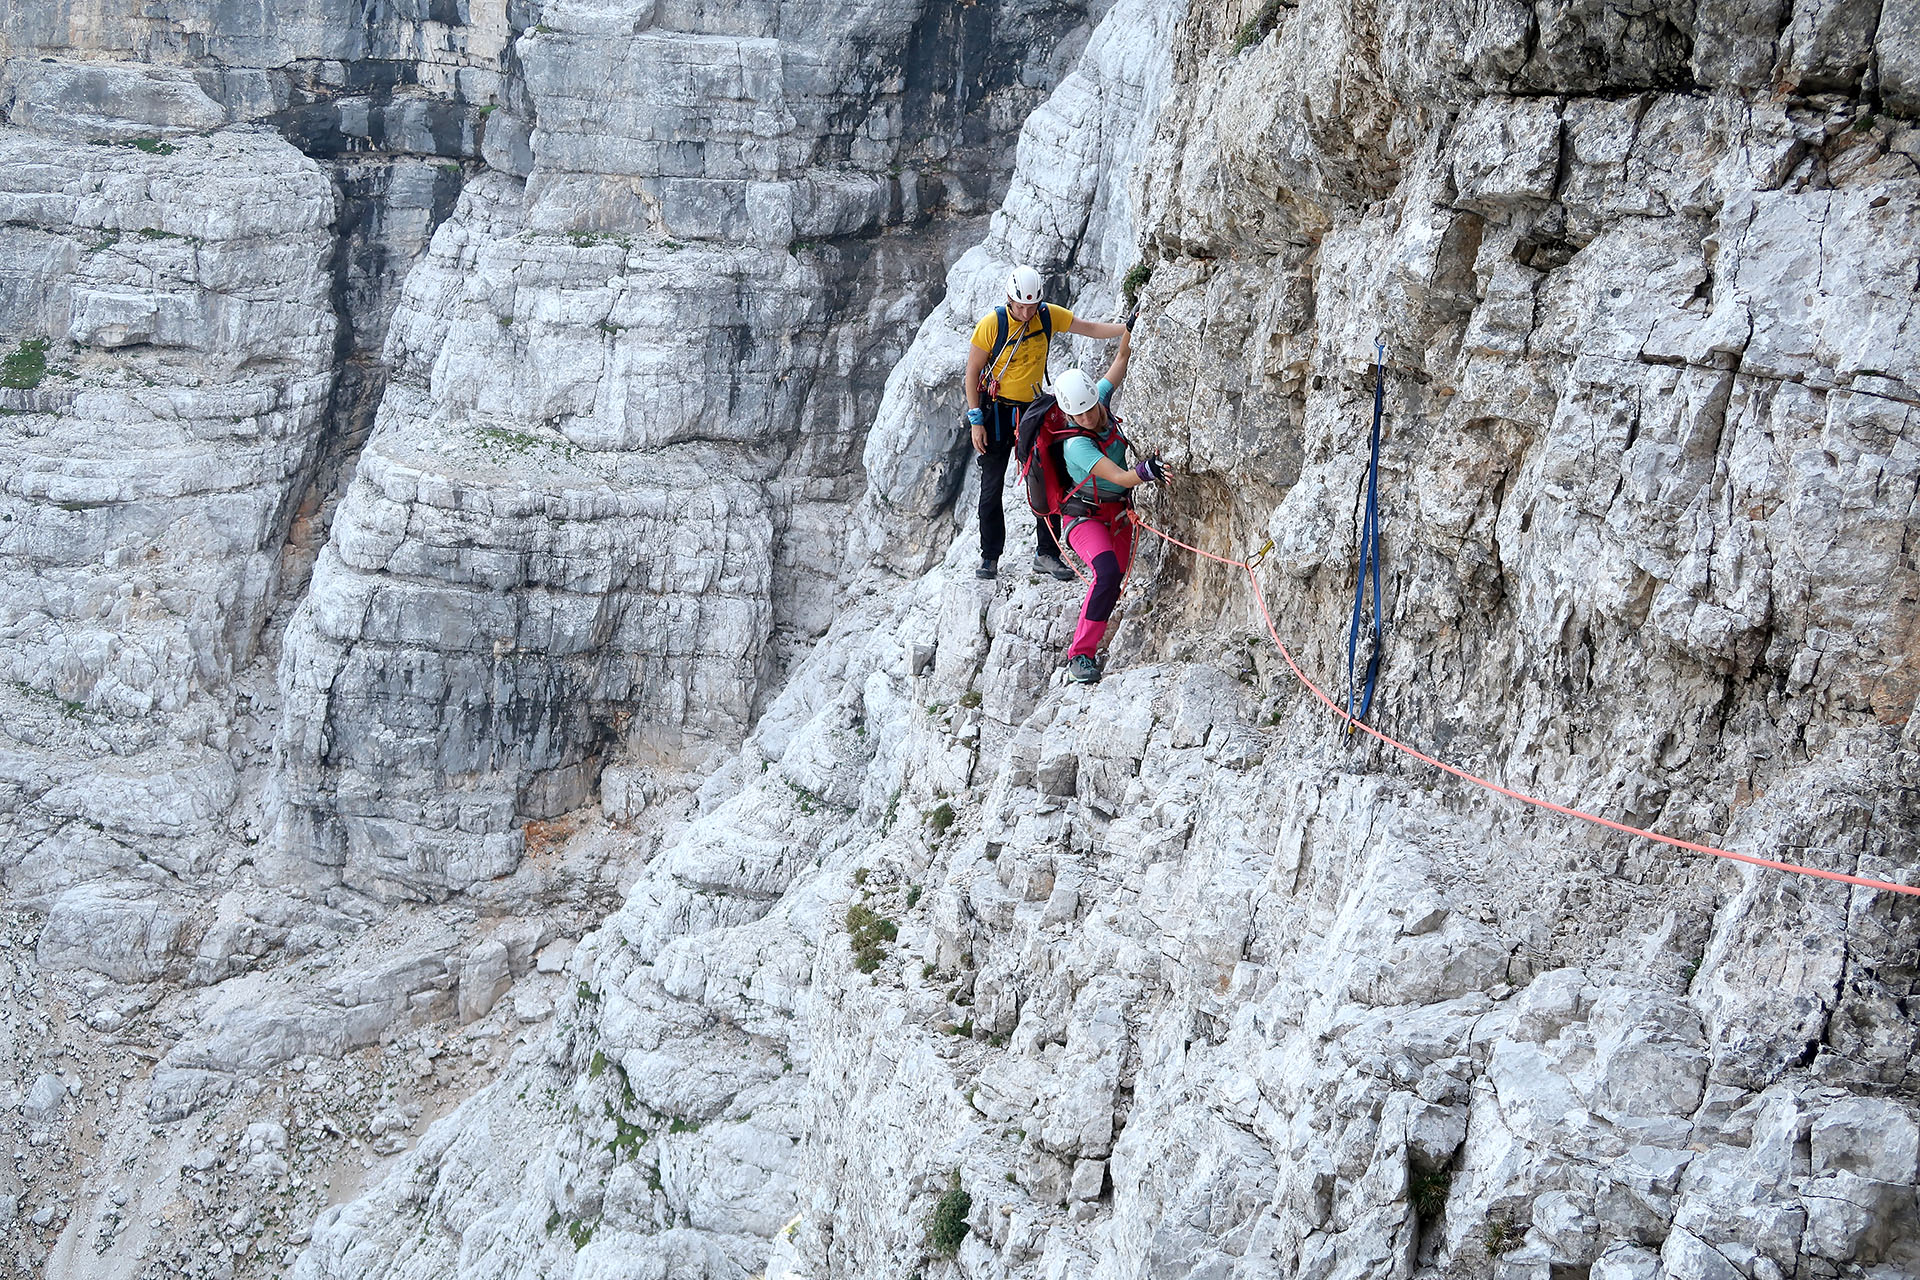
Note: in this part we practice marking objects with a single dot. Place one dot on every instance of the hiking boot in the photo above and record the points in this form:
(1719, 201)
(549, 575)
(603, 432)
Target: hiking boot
(1083, 670)
(1054, 565)
(989, 568)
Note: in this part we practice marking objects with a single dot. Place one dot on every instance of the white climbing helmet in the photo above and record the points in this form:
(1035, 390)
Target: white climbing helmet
(1024, 285)
(1075, 392)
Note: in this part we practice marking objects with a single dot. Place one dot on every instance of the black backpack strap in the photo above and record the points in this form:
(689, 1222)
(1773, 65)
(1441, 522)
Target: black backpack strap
(1046, 321)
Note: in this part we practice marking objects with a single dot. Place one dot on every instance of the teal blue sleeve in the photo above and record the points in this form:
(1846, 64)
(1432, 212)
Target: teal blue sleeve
(1081, 454)
(1104, 390)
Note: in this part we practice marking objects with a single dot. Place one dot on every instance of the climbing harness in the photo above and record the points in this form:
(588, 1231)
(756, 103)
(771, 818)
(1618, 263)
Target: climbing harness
(1352, 723)
(1369, 560)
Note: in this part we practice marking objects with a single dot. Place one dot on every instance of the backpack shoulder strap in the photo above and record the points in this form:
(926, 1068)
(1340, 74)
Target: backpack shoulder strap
(999, 334)
(1046, 321)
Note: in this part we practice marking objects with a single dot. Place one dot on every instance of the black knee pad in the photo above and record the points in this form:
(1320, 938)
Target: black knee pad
(1106, 587)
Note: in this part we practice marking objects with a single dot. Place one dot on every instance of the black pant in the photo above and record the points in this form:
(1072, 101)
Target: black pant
(1001, 418)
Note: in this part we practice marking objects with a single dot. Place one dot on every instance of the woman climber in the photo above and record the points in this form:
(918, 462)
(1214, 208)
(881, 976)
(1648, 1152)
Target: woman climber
(1099, 496)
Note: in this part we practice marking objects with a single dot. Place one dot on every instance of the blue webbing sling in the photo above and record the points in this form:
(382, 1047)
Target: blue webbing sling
(1369, 559)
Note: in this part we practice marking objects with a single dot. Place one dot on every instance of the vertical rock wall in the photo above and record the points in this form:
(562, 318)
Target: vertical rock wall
(951, 969)
(1168, 977)
(618, 409)
(629, 383)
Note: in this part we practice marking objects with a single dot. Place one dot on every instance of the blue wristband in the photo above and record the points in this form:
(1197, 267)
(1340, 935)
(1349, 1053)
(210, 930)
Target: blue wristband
(974, 419)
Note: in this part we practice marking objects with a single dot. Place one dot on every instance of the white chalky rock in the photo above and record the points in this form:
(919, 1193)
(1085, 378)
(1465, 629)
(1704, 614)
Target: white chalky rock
(1872, 1137)
(43, 1099)
(182, 303)
(1172, 975)
(484, 977)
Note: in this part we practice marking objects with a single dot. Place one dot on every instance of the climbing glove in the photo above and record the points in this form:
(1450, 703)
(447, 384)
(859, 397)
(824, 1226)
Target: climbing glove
(1153, 468)
(1131, 317)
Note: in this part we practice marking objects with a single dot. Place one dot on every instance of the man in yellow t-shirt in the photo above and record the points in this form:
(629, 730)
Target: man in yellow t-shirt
(1006, 366)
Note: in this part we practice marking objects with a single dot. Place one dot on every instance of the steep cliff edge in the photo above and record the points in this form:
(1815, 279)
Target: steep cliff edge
(1168, 976)
(600, 508)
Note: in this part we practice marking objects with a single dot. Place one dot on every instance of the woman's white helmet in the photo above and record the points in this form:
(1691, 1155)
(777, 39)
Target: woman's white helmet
(1024, 285)
(1076, 392)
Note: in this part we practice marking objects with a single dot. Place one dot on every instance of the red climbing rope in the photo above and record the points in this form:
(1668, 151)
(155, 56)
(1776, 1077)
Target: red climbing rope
(1352, 724)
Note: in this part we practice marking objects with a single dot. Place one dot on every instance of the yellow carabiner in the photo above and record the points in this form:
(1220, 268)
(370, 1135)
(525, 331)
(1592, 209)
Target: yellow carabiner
(1260, 555)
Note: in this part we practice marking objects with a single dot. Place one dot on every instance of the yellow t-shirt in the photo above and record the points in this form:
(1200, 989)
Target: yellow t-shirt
(1020, 372)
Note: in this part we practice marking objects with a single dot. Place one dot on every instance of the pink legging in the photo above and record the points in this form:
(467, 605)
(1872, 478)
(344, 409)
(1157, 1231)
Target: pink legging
(1107, 550)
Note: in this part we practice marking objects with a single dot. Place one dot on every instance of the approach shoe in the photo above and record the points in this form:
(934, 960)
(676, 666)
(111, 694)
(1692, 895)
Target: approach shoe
(1083, 670)
(1054, 565)
(988, 569)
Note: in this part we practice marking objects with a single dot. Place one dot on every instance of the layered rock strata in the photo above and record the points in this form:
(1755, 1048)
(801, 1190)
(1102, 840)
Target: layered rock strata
(629, 384)
(170, 367)
(951, 970)
(1167, 976)
(193, 947)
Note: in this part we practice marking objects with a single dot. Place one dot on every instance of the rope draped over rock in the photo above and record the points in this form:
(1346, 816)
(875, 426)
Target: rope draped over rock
(1352, 724)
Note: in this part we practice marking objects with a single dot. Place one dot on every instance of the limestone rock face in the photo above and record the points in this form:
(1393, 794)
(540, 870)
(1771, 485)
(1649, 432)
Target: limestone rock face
(628, 387)
(174, 346)
(673, 862)
(1168, 976)
(449, 633)
(605, 503)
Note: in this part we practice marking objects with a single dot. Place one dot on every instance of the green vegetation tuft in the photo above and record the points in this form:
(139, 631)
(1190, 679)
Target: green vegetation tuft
(580, 1231)
(587, 239)
(869, 933)
(947, 1226)
(152, 146)
(809, 802)
(913, 896)
(511, 441)
(25, 365)
(1428, 1189)
(680, 1125)
(1133, 282)
(66, 706)
(627, 1139)
(940, 817)
(1259, 27)
(1501, 1235)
